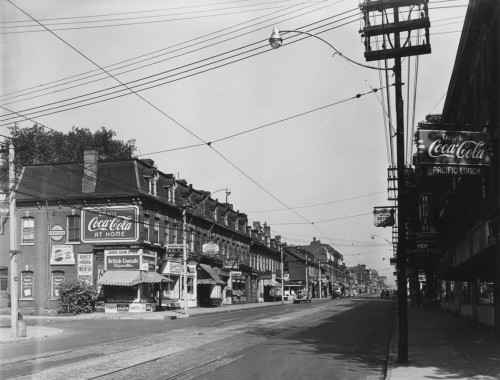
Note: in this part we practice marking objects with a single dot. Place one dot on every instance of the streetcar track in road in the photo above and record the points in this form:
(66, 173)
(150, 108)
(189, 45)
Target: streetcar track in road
(224, 359)
(267, 328)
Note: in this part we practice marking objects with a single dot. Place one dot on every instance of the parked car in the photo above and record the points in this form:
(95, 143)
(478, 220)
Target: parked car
(289, 294)
(384, 293)
(302, 296)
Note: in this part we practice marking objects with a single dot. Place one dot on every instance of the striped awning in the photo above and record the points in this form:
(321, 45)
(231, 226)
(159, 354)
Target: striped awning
(271, 283)
(130, 278)
(208, 276)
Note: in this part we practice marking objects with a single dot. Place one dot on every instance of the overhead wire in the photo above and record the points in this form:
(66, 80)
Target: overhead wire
(134, 87)
(141, 23)
(99, 72)
(318, 204)
(170, 118)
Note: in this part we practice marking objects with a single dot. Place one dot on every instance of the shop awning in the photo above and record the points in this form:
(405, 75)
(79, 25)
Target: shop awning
(271, 283)
(130, 278)
(153, 278)
(208, 276)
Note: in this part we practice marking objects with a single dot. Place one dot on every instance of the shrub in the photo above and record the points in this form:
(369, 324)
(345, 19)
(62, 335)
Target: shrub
(76, 297)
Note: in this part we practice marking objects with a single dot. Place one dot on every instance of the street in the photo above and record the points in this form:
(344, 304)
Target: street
(327, 339)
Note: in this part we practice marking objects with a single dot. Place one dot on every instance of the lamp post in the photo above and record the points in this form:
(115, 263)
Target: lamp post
(184, 248)
(373, 237)
(14, 297)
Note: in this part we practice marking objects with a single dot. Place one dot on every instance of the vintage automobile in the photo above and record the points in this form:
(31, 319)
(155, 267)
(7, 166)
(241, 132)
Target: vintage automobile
(302, 296)
(384, 293)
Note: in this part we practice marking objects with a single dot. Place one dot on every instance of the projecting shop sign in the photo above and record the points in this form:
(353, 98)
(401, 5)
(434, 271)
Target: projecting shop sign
(115, 224)
(454, 153)
(383, 217)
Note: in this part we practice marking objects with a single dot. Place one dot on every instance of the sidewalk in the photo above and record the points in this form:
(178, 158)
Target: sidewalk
(34, 332)
(444, 346)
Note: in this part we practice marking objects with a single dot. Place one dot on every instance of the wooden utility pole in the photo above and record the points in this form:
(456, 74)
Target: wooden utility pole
(392, 48)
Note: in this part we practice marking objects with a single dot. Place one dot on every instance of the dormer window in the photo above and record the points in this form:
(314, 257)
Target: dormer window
(168, 193)
(150, 181)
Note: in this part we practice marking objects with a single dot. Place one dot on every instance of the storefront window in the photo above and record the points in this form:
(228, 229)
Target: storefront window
(115, 294)
(486, 296)
(147, 292)
(465, 292)
(190, 287)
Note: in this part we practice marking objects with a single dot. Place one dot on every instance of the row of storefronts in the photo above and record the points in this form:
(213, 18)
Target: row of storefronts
(123, 227)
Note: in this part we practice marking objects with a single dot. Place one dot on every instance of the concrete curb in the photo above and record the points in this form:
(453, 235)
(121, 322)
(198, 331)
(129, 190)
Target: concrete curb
(27, 338)
(220, 311)
(392, 345)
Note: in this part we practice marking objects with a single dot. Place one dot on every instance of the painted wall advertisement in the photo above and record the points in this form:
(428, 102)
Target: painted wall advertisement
(27, 286)
(172, 267)
(56, 281)
(62, 255)
(112, 224)
(85, 267)
(454, 153)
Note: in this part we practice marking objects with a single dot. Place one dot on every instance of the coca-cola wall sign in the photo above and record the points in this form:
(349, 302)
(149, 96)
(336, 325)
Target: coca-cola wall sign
(114, 224)
(454, 148)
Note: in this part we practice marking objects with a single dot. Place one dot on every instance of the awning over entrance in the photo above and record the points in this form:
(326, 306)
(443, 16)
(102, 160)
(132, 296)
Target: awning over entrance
(208, 276)
(271, 283)
(153, 277)
(130, 278)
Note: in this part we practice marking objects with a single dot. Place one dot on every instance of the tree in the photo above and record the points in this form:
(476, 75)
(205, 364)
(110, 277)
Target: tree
(76, 297)
(39, 145)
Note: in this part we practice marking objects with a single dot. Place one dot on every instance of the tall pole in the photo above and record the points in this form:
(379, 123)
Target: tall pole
(401, 257)
(14, 297)
(320, 281)
(184, 259)
(282, 277)
(307, 275)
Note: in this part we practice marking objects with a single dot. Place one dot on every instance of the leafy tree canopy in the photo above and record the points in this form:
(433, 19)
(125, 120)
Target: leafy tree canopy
(38, 145)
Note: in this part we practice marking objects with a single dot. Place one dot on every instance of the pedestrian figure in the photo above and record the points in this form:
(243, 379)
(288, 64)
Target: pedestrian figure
(419, 298)
(413, 298)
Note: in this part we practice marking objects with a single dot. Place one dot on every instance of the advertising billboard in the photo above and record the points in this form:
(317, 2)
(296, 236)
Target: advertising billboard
(454, 148)
(114, 224)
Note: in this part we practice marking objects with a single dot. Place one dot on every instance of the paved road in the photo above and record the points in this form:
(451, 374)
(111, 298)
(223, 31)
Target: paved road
(328, 339)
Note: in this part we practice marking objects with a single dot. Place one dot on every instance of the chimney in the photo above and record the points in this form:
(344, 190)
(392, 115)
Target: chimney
(314, 239)
(90, 165)
(148, 161)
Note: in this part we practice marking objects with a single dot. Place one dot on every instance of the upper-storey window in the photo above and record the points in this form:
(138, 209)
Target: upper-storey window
(146, 229)
(28, 230)
(73, 228)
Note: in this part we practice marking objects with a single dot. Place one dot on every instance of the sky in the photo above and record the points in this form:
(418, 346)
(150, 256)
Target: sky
(314, 163)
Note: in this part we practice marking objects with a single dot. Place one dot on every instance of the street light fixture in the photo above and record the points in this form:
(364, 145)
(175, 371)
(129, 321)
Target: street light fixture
(184, 243)
(373, 237)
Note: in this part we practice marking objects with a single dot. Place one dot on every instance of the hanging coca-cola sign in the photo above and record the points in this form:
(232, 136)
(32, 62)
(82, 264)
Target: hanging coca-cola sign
(454, 148)
(110, 224)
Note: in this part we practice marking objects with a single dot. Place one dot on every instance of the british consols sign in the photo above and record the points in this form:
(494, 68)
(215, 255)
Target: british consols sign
(454, 153)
